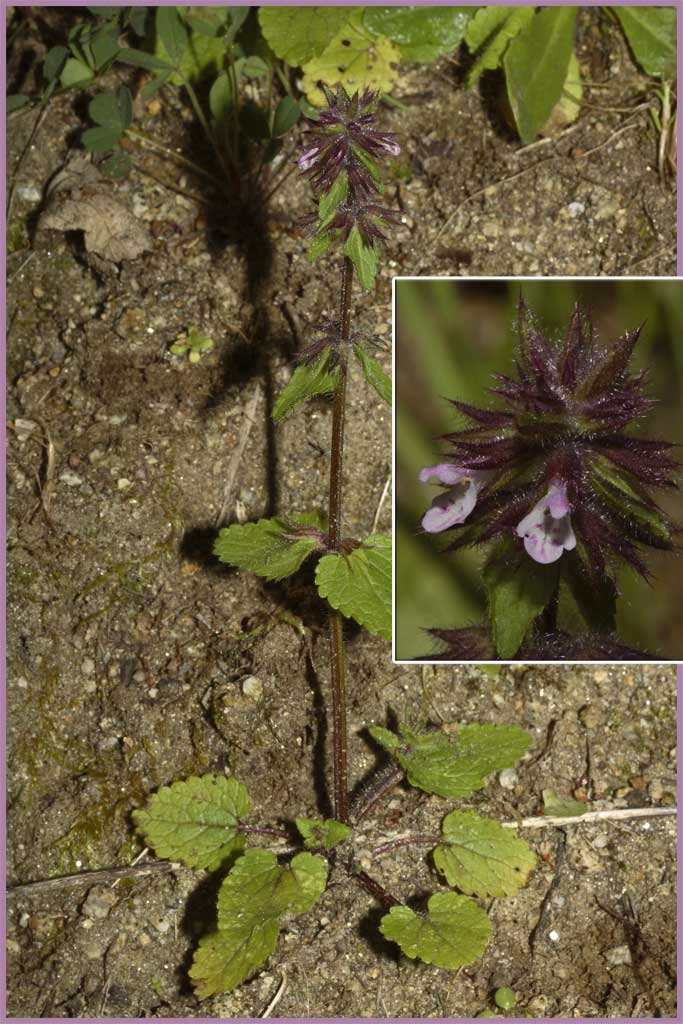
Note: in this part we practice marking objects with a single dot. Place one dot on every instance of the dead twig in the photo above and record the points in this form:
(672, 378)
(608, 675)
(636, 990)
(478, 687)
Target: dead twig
(278, 995)
(380, 503)
(606, 142)
(92, 877)
(616, 814)
(234, 464)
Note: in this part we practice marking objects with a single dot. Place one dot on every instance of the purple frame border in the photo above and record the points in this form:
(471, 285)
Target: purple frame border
(678, 4)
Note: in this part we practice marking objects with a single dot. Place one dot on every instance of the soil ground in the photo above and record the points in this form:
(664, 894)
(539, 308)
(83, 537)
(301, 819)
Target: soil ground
(129, 646)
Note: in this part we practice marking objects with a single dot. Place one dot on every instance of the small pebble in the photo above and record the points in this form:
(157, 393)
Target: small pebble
(87, 666)
(508, 778)
(123, 483)
(24, 429)
(576, 209)
(252, 687)
(70, 478)
(618, 955)
(98, 903)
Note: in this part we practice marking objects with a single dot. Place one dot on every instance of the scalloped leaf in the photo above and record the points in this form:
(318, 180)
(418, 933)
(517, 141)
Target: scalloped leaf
(308, 380)
(359, 584)
(456, 767)
(251, 901)
(374, 374)
(327, 833)
(264, 547)
(482, 858)
(195, 821)
(354, 58)
(298, 34)
(454, 932)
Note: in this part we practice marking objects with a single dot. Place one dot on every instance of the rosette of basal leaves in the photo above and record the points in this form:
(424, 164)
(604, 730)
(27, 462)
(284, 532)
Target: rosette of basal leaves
(556, 474)
(196, 821)
(453, 767)
(252, 900)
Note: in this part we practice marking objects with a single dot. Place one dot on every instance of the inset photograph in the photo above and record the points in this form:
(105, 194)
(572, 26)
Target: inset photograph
(537, 465)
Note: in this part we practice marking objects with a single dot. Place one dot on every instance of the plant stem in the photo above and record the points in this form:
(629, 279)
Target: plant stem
(377, 890)
(337, 681)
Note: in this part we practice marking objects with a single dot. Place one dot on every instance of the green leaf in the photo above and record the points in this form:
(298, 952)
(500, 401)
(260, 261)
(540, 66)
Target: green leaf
(112, 111)
(172, 34)
(152, 87)
(75, 72)
(118, 165)
(562, 807)
(481, 857)
(308, 380)
(422, 33)
(287, 113)
(105, 46)
(316, 832)
(355, 59)
(536, 63)
(330, 201)
(195, 821)
(595, 596)
(100, 139)
(457, 767)
(651, 33)
(55, 59)
(15, 101)
(251, 901)
(363, 256)
(374, 374)
(518, 590)
(385, 737)
(264, 547)
(319, 245)
(489, 33)
(141, 59)
(221, 96)
(297, 34)
(255, 67)
(454, 932)
(310, 876)
(359, 585)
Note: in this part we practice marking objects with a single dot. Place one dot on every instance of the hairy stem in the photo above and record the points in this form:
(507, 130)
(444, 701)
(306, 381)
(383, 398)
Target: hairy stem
(337, 680)
(378, 891)
(377, 786)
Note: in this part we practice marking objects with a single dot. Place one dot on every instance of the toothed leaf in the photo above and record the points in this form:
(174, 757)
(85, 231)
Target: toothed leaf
(251, 901)
(266, 547)
(359, 584)
(195, 821)
(482, 858)
(454, 932)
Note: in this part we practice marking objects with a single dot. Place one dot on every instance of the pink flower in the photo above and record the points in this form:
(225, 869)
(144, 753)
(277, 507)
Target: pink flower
(308, 158)
(453, 506)
(547, 529)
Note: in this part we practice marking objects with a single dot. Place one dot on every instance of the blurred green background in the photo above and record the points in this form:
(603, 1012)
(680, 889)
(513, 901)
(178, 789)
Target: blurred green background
(451, 336)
